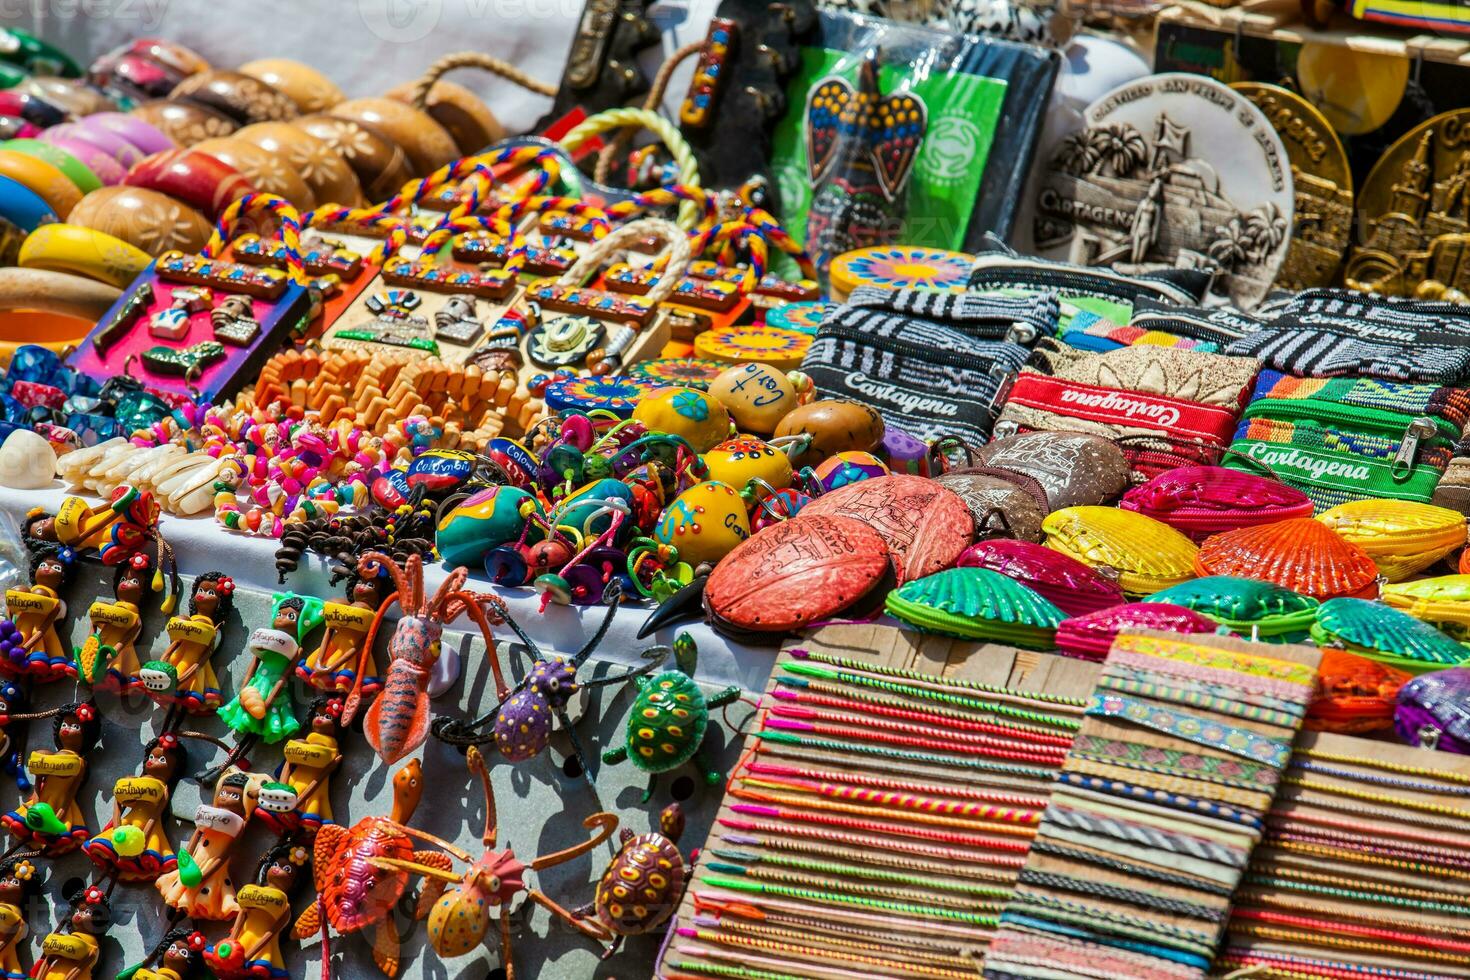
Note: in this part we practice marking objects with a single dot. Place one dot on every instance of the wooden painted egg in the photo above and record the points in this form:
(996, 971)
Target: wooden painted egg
(705, 522)
(757, 396)
(738, 461)
(484, 520)
(685, 412)
(848, 467)
(835, 424)
(924, 525)
(809, 568)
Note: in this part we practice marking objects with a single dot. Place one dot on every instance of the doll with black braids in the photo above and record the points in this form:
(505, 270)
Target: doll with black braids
(20, 881)
(32, 644)
(332, 666)
(134, 845)
(252, 950)
(51, 820)
(179, 955)
(73, 955)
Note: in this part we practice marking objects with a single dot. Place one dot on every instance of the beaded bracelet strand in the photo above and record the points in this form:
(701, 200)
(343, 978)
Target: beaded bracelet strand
(1384, 765)
(1391, 781)
(953, 720)
(787, 738)
(907, 818)
(827, 729)
(757, 966)
(904, 801)
(768, 907)
(931, 693)
(1356, 794)
(749, 858)
(873, 845)
(816, 953)
(1381, 830)
(813, 895)
(1375, 917)
(940, 774)
(1384, 892)
(1435, 855)
(905, 944)
(1297, 793)
(1362, 971)
(853, 779)
(878, 861)
(827, 924)
(1365, 932)
(795, 879)
(1001, 748)
(1030, 733)
(1340, 942)
(1355, 857)
(1057, 701)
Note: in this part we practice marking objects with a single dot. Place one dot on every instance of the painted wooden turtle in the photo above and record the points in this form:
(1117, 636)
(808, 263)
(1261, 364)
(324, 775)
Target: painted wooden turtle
(670, 720)
(356, 892)
(643, 883)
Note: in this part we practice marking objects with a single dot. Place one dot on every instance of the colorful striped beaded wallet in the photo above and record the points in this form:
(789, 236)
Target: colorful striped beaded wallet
(1158, 806)
(881, 811)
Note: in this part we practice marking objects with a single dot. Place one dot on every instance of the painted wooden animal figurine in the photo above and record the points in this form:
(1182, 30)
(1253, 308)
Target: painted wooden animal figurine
(355, 892)
(51, 820)
(252, 950)
(398, 721)
(30, 638)
(460, 918)
(644, 882)
(522, 721)
(332, 666)
(670, 720)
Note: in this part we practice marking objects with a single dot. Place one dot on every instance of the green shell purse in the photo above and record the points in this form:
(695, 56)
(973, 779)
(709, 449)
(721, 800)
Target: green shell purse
(977, 604)
(1378, 632)
(1255, 609)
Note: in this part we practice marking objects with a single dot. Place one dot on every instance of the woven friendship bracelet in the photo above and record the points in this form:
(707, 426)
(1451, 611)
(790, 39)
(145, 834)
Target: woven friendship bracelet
(1146, 836)
(1086, 886)
(1199, 699)
(1054, 849)
(1190, 763)
(1237, 741)
(1203, 807)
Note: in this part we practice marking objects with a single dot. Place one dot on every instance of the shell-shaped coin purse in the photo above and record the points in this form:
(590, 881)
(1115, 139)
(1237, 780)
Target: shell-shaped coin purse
(1199, 501)
(977, 604)
(1090, 637)
(1257, 610)
(1401, 536)
(1303, 555)
(1148, 556)
(1070, 585)
(1378, 632)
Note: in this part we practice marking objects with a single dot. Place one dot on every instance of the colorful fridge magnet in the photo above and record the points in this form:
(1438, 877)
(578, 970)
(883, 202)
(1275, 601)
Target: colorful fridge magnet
(190, 360)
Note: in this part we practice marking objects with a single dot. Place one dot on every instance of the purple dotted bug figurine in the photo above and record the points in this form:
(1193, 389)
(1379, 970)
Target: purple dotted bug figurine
(520, 724)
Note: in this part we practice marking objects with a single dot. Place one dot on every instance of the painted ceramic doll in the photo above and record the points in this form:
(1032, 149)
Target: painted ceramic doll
(76, 523)
(179, 956)
(14, 701)
(306, 773)
(19, 882)
(51, 821)
(73, 955)
(263, 708)
(32, 645)
(183, 676)
(107, 658)
(252, 950)
(134, 845)
(201, 886)
(332, 666)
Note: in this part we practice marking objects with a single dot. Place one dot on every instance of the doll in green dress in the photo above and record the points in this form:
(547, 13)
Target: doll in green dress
(263, 709)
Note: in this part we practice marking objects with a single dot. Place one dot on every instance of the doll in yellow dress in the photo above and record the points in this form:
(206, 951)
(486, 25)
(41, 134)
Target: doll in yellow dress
(252, 950)
(183, 676)
(200, 886)
(51, 820)
(306, 771)
(332, 666)
(73, 955)
(32, 645)
(178, 956)
(134, 846)
(19, 882)
(107, 657)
